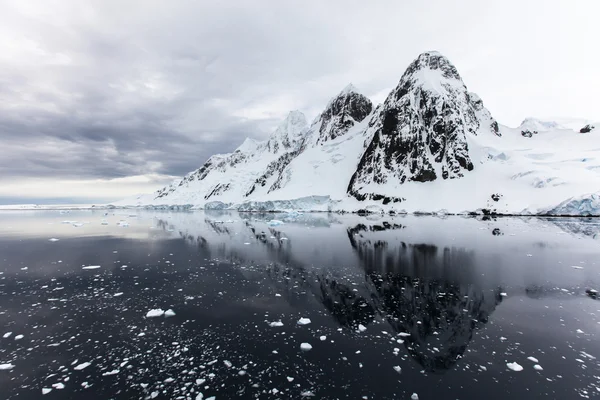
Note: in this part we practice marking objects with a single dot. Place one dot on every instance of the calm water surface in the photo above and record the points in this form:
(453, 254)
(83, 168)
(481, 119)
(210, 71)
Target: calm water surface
(454, 308)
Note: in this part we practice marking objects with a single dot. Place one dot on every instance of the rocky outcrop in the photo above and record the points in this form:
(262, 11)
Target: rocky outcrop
(588, 128)
(342, 113)
(420, 132)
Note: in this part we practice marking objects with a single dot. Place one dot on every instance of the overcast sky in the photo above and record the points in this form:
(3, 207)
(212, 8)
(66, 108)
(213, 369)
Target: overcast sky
(103, 99)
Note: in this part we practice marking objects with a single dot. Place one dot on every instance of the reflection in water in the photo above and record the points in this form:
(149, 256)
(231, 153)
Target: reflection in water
(420, 289)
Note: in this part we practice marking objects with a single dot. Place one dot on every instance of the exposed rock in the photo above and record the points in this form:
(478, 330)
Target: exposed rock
(588, 128)
(419, 134)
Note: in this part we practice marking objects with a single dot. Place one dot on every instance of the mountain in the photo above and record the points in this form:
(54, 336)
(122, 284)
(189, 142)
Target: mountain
(431, 147)
(420, 133)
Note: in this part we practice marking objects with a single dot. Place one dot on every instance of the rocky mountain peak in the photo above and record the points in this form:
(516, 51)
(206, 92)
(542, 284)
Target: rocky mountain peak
(420, 132)
(345, 110)
(289, 134)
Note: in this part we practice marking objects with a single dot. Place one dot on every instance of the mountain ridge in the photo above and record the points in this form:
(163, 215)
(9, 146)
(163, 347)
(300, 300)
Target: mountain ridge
(430, 136)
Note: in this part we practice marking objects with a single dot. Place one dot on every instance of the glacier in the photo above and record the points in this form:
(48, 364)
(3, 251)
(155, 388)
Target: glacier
(430, 147)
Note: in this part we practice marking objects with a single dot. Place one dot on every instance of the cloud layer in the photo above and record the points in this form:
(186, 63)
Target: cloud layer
(104, 90)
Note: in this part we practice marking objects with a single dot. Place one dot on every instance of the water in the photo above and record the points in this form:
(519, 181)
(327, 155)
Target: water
(449, 301)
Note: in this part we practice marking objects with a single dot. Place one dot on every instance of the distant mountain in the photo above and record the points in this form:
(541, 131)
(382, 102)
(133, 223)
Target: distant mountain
(431, 147)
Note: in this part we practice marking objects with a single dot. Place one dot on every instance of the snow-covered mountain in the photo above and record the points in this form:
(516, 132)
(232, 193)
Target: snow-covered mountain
(431, 146)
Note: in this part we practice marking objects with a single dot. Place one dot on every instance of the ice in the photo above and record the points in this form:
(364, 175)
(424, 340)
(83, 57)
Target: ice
(305, 347)
(169, 313)
(576, 267)
(46, 390)
(275, 222)
(397, 368)
(92, 267)
(199, 396)
(275, 324)
(503, 294)
(19, 337)
(228, 363)
(307, 393)
(323, 338)
(579, 331)
(414, 396)
(82, 366)
(58, 385)
(156, 312)
(6, 366)
(290, 379)
(514, 366)
(361, 328)
(7, 335)
(211, 398)
(538, 367)
(303, 321)
(113, 372)
(535, 360)
(53, 240)
(403, 334)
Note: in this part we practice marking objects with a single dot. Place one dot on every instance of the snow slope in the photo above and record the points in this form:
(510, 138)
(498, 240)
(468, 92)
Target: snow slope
(431, 147)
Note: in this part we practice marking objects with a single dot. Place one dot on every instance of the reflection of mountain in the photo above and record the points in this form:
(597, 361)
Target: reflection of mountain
(427, 291)
(415, 288)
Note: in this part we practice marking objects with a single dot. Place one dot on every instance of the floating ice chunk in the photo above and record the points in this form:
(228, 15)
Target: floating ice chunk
(307, 393)
(82, 366)
(113, 372)
(514, 366)
(579, 331)
(199, 396)
(275, 222)
(305, 347)
(538, 367)
(157, 312)
(7, 366)
(46, 390)
(535, 360)
(7, 335)
(275, 324)
(290, 379)
(323, 338)
(53, 240)
(18, 337)
(58, 385)
(118, 294)
(169, 380)
(576, 267)
(403, 334)
(503, 294)
(228, 363)
(169, 313)
(200, 381)
(211, 398)
(91, 267)
(304, 321)
(414, 396)
(241, 372)
(397, 368)
(154, 395)
(361, 328)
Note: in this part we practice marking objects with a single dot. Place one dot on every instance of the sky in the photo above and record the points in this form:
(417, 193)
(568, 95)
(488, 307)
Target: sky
(102, 100)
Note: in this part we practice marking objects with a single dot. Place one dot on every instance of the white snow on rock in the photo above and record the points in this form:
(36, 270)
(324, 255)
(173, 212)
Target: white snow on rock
(157, 312)
(305, 346)
(303, 321)
(7, 366)
(514, 366)
(82, 366)
(92, 267)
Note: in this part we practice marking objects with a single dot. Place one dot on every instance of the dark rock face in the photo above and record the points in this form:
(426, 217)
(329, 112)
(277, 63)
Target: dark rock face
(586, 129)
(419, 134)
(342, 113)
(275, 168)
(527, 133)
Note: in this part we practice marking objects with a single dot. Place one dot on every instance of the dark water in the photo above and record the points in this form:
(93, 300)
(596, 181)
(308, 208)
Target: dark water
(448, 302)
